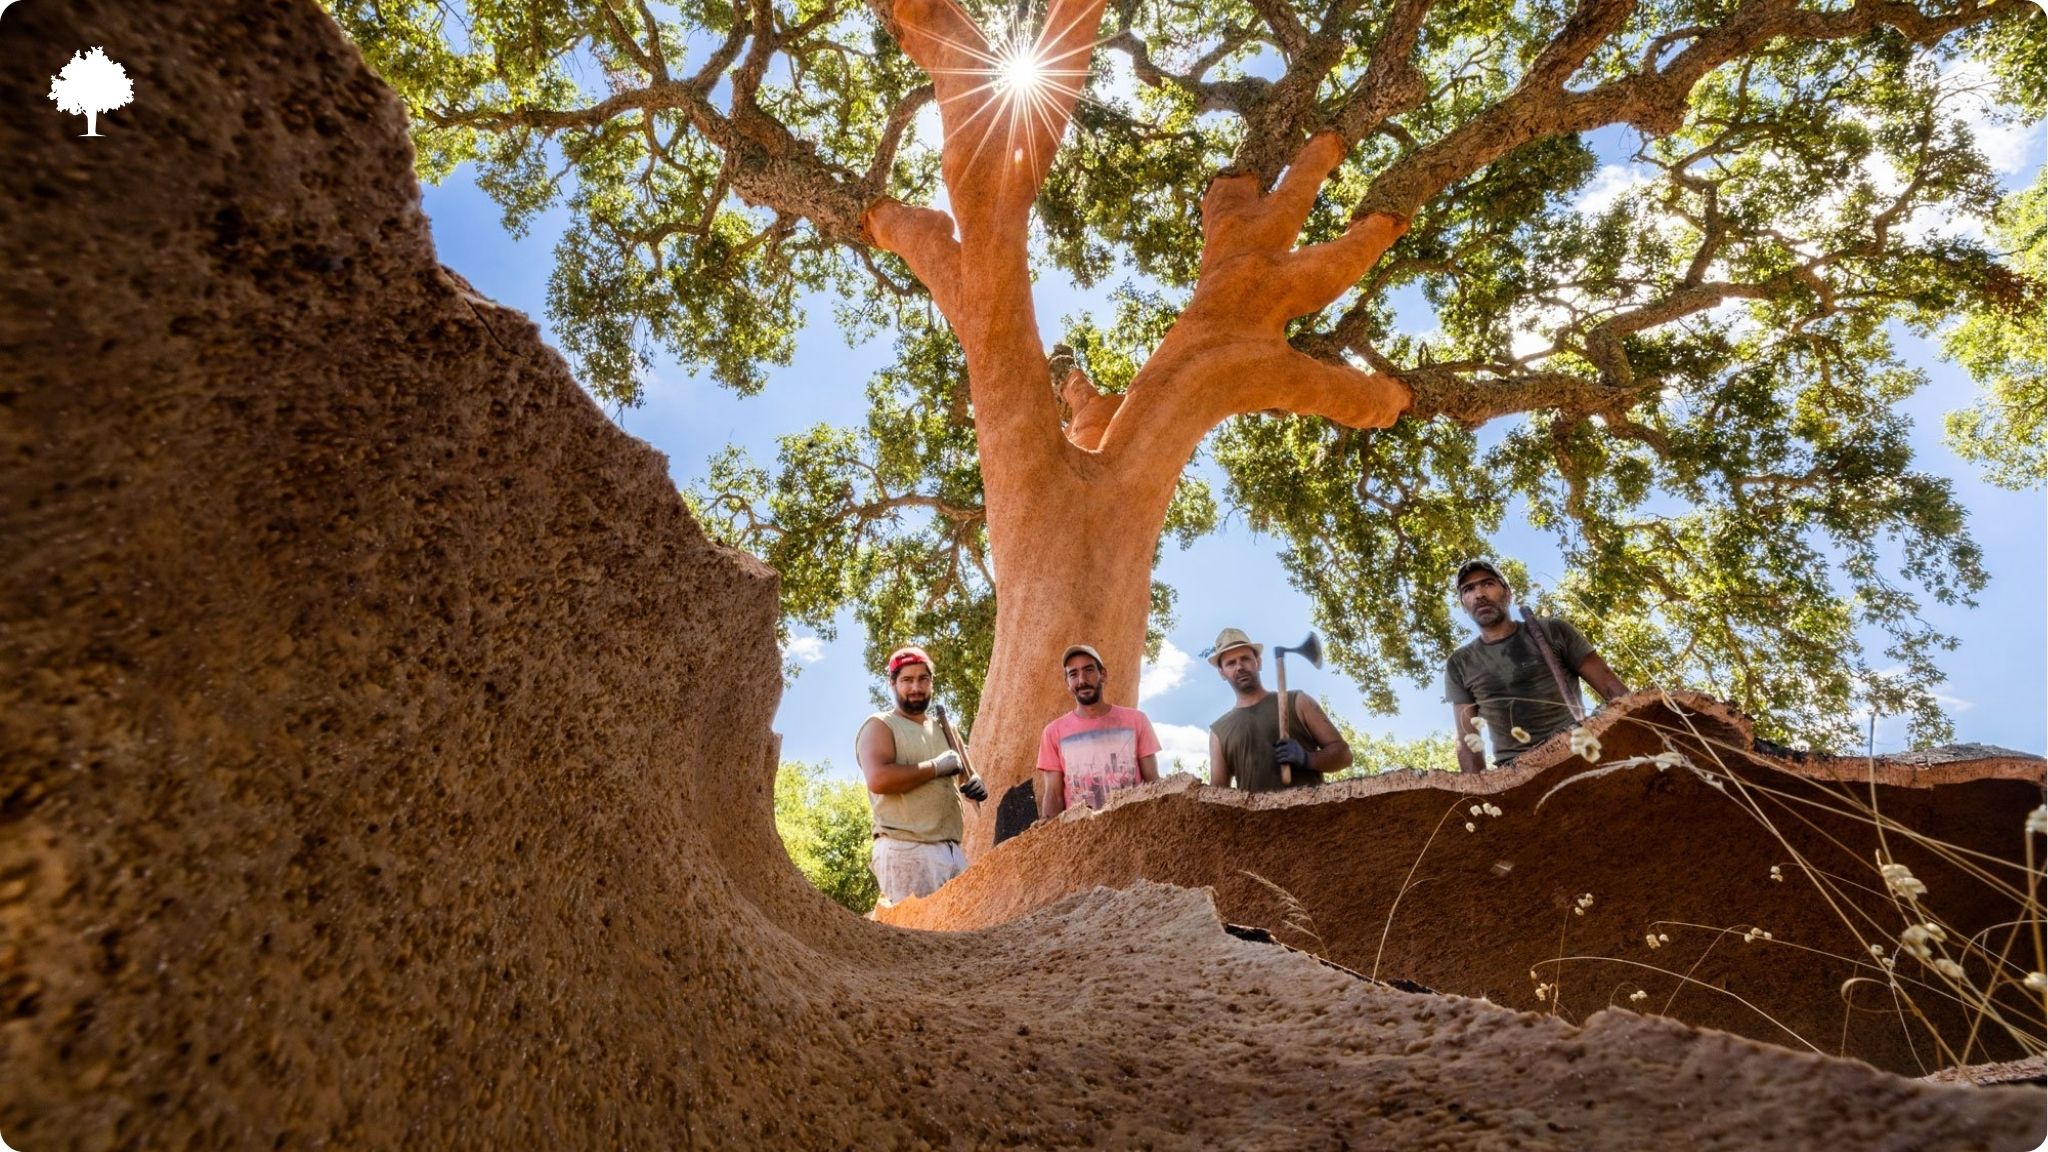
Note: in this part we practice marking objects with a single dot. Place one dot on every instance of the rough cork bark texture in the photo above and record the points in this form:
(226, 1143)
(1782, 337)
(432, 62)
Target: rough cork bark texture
(385, 760)
(1661, 850)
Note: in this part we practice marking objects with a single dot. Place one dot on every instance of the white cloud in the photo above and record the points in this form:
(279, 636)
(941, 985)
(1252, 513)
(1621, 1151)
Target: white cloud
(804, 650)
(1952, 703)
(1156, 679)
(1183, 748)
(1609, 184)
(2010, 147)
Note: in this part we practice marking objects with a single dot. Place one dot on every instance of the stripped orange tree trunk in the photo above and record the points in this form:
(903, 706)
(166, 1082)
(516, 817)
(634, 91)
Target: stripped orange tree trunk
(1075, 512)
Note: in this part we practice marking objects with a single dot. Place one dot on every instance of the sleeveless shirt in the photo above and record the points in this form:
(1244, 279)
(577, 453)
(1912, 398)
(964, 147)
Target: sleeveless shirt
(930, 812)
(1248, 736)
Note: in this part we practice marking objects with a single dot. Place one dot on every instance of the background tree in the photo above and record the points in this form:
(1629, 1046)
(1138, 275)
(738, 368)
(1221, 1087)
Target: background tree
(1372, 755)
(827, 829)
(1693, 376)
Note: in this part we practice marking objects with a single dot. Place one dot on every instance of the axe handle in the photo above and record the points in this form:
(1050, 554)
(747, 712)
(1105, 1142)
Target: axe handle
(1567, 686)
(1280, 662)
(953, 741)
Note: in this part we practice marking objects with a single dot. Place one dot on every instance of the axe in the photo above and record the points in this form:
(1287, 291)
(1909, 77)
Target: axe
(1310, 650)
(959, 746)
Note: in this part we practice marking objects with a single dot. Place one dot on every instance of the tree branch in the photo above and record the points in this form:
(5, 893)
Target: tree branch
(1391, 84)
(900, 117)
(1652, 100)
(1239, 95)
(1227, 353)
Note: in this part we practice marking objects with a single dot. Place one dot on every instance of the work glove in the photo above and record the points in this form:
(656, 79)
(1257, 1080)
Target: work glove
(974, 789)
(946, 763)
(1290, 753)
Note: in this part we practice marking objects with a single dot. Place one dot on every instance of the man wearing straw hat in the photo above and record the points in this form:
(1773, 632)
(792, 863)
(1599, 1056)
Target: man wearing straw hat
(1244, 743)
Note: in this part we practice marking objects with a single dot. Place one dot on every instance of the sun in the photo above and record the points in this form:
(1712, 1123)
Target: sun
(1026, 78)
(1019, 70)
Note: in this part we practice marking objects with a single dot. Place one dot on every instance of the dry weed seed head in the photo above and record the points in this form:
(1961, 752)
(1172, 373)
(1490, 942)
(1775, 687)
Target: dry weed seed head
(1638, 996)
(1918, 938)
(1777, 875)
(2036, 983)
(1471, 827)
(1585, 745)
(1901, 881)
(2037, 821)
(1520, 734)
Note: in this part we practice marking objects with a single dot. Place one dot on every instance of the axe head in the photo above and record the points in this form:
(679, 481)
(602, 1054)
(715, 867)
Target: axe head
(1310, 650)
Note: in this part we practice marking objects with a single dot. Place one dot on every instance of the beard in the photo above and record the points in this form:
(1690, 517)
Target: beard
(1087, 695)
(914, 707)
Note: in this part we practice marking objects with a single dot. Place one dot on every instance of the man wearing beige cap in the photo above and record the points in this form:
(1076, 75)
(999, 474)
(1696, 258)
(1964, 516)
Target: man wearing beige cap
(1097, 748)
(1245, 744)
(914, 786)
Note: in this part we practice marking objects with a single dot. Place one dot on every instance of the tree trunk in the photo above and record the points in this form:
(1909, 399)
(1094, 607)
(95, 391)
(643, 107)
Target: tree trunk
(92, 122)
(1073, 549)
(1074, 517)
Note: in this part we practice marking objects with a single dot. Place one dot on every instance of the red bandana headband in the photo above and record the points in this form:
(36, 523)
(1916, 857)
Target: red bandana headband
(904, 656)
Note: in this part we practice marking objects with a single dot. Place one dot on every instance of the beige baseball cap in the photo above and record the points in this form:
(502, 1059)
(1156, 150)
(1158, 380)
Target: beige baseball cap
(1074, 650)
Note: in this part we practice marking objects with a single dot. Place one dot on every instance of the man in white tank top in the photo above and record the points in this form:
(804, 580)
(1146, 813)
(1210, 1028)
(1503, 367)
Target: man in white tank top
(914, 786)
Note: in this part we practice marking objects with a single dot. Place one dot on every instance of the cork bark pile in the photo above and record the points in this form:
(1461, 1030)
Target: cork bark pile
(1700, 851)
(385, 755)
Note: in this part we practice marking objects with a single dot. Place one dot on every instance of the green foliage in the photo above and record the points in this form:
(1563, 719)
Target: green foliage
(827, 829)
(1723, 463)
(1372, 755)
(1688, 382)
(2003, 340)
(886, 520)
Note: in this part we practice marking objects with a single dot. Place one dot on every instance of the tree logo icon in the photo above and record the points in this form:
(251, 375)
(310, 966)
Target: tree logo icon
(89, 85)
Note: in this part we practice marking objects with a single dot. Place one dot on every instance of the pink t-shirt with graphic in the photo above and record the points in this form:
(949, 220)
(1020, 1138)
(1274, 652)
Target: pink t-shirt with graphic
(1096, 754)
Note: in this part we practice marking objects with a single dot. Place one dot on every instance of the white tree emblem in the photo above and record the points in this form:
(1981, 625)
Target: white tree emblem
(89, 85)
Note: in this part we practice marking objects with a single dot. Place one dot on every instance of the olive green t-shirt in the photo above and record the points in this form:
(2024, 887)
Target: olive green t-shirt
(930, 812)
(1247, 736)
(1513, 686)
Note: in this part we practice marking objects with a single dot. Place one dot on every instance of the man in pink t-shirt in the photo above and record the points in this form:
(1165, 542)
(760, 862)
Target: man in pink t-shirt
(1097, 748)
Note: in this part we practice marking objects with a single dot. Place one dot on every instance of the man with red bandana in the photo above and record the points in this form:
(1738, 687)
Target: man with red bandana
(914, 786)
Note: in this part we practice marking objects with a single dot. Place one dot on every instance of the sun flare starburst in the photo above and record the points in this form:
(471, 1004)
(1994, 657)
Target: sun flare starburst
(1018, 71)
(1028, 78)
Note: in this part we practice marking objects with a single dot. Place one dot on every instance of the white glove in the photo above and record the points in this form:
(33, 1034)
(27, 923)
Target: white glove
(946, 763)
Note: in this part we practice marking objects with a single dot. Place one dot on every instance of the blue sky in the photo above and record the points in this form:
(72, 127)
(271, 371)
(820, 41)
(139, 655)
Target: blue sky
(1997, 675)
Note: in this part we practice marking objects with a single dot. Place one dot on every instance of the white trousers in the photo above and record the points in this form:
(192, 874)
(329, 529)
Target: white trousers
(906, 868)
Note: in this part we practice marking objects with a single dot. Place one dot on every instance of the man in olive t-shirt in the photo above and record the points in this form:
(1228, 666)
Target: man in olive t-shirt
(1502, 677)
(1244, 743)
